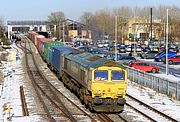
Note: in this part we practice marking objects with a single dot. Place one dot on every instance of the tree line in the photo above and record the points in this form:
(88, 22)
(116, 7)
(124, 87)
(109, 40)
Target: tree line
(3, 38)
(102, 22)
(104, 19)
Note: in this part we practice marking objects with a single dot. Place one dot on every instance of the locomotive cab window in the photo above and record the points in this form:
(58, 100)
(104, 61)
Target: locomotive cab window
(101, 75)
(117, 75)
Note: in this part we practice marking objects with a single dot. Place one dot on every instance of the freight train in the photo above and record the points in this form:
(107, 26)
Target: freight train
(100, 83)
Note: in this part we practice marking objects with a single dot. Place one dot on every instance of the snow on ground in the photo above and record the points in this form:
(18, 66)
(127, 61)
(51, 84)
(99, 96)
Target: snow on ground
(9, 96)
(157, 100)
(169, 77)
(10, 102)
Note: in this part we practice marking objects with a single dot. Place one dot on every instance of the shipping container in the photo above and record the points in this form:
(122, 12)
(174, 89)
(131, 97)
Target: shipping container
(36, 39)
(33, 37)
(40, 43)
(55, 56)
(46, 49)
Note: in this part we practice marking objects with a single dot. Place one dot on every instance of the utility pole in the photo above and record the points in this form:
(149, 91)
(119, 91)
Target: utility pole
(151, 23)
(63, 33)
(115, 50)
(59, 31)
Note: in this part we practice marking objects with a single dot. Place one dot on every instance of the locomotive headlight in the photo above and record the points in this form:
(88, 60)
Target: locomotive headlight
(119, 93)
(98, 92)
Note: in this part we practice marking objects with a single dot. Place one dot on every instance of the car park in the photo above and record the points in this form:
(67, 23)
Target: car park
(126, 59)
(144, 67)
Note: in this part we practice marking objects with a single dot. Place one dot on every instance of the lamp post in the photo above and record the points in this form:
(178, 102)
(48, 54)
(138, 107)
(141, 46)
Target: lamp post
(63, 33)
(115, 50)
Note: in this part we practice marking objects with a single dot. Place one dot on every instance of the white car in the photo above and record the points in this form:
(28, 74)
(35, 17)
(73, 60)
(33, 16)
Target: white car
(100, 45)
(138, 49)
(128, 49)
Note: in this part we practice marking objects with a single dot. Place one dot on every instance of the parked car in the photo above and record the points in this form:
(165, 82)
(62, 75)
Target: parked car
(111, 55)
(84, 48)
(136, 47)
(122, 49)
(144, 67)
(173, 60)
(149, 54)
(128, 49)
(100, 45)
(106, 44)
(126, 58)
(100, 52)
(161, 56)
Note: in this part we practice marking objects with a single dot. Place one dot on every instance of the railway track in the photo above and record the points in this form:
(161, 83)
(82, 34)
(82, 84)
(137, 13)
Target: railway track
(43, 85)
(105, 118)
(43, 88)
(147, 110)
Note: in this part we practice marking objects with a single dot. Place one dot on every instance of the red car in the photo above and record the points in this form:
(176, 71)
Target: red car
(144, 67)
(173, 60)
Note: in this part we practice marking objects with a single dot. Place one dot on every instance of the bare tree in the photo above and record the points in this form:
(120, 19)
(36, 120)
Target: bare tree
(1, 27)
(104, 20)
(56, 18)
(2, 35)
(86, 18)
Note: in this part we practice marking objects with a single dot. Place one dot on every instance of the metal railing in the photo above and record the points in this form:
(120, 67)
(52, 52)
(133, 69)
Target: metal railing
(161, 85)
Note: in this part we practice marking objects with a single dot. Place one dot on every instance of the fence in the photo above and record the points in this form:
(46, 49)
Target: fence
(161, 85)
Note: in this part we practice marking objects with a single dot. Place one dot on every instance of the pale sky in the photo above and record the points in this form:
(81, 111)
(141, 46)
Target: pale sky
(73, 9)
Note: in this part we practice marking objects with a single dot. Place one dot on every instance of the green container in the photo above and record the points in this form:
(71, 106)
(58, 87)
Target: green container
(47, 46)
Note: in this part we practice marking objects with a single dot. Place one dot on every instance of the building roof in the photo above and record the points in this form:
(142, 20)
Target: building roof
(28, 23)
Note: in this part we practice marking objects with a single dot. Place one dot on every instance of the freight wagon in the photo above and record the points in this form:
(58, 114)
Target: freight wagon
(46, 49)
(56, 58)
(40, 44)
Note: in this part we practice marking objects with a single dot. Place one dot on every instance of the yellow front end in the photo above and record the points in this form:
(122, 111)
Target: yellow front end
(109, 86)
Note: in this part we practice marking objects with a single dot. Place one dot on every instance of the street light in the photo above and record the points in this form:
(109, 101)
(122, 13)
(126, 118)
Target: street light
(115, 50)
(63, 33)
